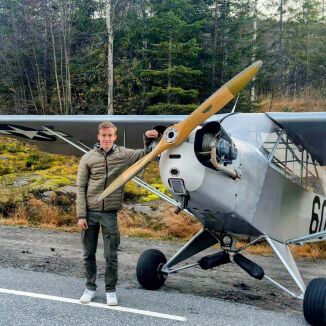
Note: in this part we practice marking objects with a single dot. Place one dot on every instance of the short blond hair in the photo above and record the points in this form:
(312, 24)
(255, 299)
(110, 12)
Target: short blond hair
(107, 124)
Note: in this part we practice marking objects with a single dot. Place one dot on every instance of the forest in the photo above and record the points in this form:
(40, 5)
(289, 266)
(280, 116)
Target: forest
(157, 56)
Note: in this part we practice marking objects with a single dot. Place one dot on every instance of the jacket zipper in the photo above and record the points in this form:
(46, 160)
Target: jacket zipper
(106, 177)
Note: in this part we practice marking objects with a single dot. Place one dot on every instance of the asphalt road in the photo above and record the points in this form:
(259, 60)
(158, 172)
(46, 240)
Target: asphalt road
(22, 302)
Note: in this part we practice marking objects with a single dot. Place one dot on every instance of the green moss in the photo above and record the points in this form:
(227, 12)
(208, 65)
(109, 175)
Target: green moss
(42, 170)
(10, 145)
(39, 161)
(149, 198)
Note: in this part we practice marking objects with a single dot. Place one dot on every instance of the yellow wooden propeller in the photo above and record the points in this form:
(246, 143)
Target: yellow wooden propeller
(177, 133)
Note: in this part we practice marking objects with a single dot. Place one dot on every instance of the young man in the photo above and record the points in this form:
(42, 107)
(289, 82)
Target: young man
(97, 169)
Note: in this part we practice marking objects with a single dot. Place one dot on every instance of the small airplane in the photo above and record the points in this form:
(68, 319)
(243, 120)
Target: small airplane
(255, 175)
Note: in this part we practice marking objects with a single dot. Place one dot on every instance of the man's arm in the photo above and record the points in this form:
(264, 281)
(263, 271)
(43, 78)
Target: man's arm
(133, 155)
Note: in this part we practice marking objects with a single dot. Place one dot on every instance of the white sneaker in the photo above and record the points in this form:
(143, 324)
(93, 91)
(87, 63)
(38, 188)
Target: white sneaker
(87, 296)
(111, 298)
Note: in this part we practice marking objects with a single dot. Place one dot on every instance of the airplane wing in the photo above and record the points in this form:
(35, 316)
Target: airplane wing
(80, 129)
(307, 129)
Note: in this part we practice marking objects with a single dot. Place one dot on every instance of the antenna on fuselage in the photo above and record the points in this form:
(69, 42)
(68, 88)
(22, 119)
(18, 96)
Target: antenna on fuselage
(235, 104)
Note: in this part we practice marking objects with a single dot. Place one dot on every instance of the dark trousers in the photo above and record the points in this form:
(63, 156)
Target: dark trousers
(111, 239)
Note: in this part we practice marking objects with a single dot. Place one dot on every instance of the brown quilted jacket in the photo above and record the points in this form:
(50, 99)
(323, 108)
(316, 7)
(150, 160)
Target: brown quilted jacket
(96, 171)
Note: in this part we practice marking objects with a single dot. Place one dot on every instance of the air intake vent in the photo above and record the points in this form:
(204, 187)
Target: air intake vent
(174, 156)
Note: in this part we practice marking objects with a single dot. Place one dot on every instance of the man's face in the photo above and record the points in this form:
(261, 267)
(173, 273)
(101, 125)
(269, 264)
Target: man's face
(106, 137)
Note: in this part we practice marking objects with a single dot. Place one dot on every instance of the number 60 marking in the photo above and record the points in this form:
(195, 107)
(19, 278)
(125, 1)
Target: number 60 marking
(317, 216)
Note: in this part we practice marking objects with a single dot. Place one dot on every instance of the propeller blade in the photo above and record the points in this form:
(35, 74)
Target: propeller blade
(177, 133)
(213, 104)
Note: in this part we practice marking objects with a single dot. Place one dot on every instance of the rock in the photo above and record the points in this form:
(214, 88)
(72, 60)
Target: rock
(47, 196)
(21, 182)
(144, 209)
(63, 196)
(67, 190)
(139, 208)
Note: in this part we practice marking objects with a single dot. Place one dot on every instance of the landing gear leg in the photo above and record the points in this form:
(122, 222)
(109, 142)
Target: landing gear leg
(153, 269)
(201, 241)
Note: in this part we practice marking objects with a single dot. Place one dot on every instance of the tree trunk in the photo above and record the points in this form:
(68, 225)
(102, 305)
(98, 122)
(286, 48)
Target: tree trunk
(56, 68)
(39, 80)
(31, 92)
(307, 56)
(31, 35)
(214, 47)
(66, 31)
(109, 24)
(281, 54)
(46, 51)
(169, 67)
(225, 12)
(254, 39)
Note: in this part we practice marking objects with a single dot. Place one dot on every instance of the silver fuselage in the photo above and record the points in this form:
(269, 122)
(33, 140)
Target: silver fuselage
(262, 201)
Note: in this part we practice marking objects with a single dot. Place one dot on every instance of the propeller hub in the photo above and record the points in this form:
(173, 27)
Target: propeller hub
(171, 134)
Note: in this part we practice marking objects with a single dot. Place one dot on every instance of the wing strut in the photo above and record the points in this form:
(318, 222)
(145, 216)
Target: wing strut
(66, 140)
(308, 238)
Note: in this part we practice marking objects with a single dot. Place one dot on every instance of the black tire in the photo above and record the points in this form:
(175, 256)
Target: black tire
(148, 269)
(314, 302)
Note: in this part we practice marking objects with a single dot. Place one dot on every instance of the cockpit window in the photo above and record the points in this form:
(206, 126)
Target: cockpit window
(256, 129)
(297, 165)
(285, 156)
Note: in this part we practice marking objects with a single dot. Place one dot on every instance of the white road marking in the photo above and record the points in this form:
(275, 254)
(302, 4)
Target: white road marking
(93, 304)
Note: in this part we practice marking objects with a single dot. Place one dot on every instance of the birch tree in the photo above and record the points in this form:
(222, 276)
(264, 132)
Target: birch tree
(109, 25)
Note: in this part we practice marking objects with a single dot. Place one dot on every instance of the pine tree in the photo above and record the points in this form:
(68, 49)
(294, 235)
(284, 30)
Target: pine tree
(173, 72)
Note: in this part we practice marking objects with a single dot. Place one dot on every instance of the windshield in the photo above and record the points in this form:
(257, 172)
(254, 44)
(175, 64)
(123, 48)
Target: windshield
(254, 128)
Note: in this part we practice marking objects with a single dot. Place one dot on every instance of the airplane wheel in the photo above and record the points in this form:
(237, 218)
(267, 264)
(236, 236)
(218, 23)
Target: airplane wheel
(148, 269)
(314, 302)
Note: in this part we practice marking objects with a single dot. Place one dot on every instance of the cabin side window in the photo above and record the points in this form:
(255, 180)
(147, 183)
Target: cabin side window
(314, 177)
(270, 140)
(297, 164)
